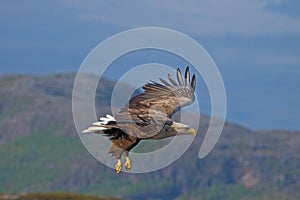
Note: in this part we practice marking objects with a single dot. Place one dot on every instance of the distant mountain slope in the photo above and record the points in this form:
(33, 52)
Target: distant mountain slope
(52, 196)
(40, 151)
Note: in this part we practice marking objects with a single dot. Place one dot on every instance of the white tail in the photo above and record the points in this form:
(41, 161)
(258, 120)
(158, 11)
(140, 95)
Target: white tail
(98, 126)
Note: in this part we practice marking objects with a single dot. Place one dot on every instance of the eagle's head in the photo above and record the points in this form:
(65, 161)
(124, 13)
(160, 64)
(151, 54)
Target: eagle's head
(172, 128)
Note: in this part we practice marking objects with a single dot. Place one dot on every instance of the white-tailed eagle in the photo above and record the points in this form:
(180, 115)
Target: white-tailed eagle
(147, 116)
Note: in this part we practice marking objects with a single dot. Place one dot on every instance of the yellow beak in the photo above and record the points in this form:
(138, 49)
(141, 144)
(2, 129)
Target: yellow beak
(192, 131)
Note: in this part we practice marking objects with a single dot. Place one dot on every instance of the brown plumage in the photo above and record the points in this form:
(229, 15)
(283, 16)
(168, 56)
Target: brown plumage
(148, 115)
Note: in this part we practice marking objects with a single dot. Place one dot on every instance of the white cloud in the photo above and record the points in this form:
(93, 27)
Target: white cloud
(206, 17)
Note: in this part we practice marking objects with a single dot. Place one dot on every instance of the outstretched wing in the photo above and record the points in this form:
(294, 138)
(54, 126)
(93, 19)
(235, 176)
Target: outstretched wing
(160, 101)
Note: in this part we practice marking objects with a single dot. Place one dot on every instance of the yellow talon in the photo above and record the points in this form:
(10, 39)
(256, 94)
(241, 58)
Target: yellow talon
(128, 163)
(119, 166)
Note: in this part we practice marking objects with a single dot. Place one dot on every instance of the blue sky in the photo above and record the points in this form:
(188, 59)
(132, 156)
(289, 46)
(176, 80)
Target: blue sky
(255, 44)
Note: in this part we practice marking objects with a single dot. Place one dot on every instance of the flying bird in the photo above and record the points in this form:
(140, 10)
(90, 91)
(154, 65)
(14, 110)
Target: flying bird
(147, 116)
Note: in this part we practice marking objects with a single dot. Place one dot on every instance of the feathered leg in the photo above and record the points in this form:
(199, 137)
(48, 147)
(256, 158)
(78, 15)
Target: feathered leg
(117, 152)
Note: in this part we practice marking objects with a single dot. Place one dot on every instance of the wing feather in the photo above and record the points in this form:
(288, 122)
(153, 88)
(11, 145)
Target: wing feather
(165, 82)
(160, 99)
(179, 77)
(187, 76)
(172, 80)
(193, 82)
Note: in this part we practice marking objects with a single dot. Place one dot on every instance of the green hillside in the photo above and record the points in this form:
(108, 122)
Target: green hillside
(34, 159)
(41, 152)
(53, 196)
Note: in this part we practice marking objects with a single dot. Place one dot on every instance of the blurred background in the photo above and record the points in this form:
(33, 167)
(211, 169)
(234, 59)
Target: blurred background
(256, 46)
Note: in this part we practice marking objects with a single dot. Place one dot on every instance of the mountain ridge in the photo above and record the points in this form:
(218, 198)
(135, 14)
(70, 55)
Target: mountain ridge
(41, 152)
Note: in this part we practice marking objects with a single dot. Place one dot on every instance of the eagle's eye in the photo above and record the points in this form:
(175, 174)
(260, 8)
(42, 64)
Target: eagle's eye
(169, 123)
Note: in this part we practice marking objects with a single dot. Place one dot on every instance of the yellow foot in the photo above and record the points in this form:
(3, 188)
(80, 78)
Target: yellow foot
(119, 166)
(128, 163)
